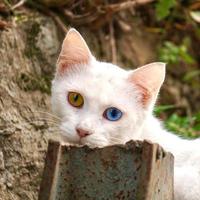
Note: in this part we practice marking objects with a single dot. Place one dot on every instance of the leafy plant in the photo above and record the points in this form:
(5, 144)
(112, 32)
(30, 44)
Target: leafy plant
(172, 53)
(163, 8)
(185, 126)
(160, 109)
(188, 127)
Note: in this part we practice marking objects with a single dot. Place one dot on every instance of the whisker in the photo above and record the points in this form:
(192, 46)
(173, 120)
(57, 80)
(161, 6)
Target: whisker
(45, 119)
(37, 121)
(45, 112)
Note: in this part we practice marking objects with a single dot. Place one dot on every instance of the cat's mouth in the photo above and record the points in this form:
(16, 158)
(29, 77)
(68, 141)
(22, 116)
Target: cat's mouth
(80, 141)
(90, 140)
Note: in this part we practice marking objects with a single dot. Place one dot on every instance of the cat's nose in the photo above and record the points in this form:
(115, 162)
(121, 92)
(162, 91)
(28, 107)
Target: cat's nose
(82, 133)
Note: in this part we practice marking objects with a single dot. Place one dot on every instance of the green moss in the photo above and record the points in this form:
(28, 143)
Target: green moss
(34, 81)
(20, 18)
(31, 82)
(31, 50)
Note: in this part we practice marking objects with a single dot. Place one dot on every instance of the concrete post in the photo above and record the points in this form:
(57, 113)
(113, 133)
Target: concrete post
(135, 171)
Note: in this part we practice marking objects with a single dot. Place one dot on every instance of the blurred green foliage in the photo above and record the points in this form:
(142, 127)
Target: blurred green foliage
(173, 54)
(173, 16)
(160, 109)
(191, 75)
(163, 8)
(185, 126)
(180, 23)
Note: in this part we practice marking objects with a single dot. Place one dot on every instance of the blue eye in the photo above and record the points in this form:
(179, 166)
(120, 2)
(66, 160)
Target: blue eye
(112, 114)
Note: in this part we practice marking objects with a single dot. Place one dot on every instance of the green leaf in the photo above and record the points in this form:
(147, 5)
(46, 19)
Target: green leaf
(173, 54)
(160, 109)
(197, 127)
(163, 8)
(190, 75)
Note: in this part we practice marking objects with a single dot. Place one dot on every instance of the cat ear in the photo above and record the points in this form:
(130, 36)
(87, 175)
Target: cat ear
(74, 51)
(148, 80)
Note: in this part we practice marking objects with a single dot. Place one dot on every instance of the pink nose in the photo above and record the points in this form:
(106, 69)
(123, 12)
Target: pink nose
(82, 133)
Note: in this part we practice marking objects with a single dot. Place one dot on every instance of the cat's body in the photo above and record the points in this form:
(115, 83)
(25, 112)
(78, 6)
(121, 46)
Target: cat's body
(101, 104)
(187, 159)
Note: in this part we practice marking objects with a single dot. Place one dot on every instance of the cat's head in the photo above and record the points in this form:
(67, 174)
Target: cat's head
(99, 103)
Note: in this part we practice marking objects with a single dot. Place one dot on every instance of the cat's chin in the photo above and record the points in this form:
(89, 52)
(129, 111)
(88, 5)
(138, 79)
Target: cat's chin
(66, 140)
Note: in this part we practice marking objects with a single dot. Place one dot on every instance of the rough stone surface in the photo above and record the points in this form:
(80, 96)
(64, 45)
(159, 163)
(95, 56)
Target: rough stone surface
(28, 51)
(2, 166)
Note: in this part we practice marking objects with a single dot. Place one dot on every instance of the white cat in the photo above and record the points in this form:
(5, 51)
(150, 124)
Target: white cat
(101, 104)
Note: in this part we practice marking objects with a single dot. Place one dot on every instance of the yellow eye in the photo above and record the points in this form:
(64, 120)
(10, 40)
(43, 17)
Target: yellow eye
(75, 99)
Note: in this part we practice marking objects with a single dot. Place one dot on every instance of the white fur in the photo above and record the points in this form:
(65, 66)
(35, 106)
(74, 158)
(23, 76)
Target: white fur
(104, 85)
(100, 91)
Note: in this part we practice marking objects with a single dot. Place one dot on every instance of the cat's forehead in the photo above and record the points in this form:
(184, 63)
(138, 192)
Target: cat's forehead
(107, 71)
(101, 77)
(102, 82)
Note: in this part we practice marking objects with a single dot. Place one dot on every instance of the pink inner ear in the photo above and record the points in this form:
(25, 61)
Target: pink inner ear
(148, 80)
(145, 93)
(74, 51)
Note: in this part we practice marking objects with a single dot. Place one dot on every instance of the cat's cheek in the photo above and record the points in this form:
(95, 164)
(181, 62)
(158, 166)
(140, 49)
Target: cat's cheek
(68, 133)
